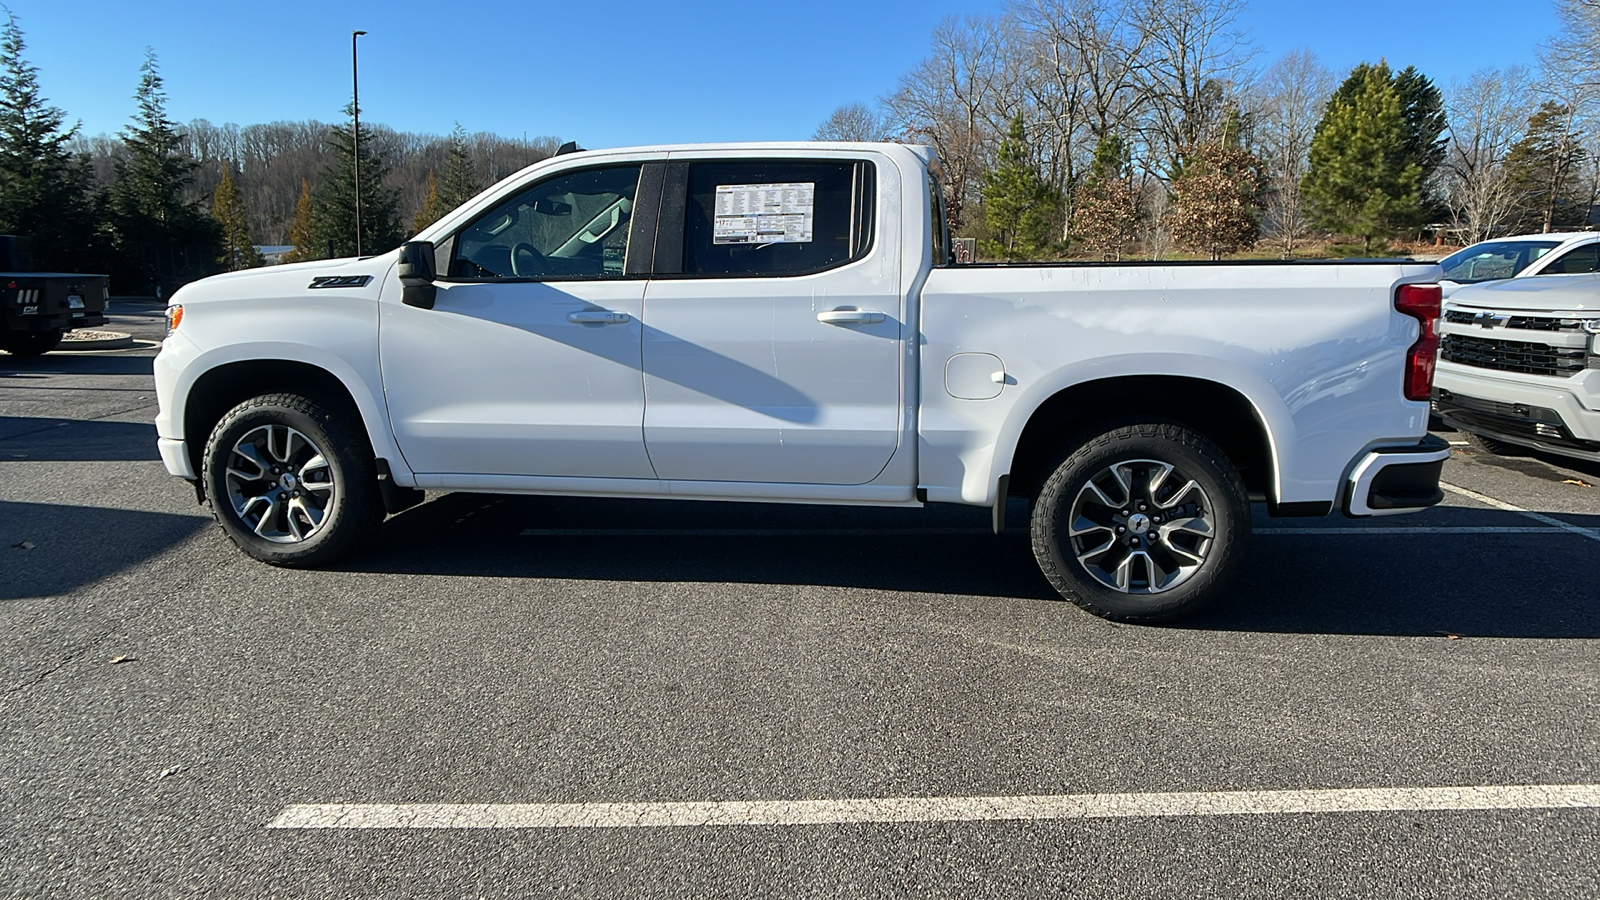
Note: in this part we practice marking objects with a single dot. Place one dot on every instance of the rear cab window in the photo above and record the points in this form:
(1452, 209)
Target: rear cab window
(775, 218)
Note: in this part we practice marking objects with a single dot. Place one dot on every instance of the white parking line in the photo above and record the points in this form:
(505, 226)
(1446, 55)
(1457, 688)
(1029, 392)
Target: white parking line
(918, 532)
(892, 810)
(1589, 533)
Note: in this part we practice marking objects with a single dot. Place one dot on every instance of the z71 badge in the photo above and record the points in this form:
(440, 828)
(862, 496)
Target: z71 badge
(338, 281)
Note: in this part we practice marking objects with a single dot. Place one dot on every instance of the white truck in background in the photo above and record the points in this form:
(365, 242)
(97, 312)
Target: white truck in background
(783, 323)
(1519, 365)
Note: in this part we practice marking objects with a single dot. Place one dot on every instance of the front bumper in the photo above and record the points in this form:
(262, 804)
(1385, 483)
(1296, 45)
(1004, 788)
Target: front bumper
(175, 456)
(1393, 480)
(1553, 415)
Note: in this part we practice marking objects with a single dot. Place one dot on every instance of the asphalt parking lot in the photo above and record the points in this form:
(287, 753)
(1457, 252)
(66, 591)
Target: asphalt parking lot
(678, 700)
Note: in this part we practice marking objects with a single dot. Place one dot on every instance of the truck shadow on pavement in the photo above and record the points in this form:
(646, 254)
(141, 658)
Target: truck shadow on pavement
(24, 368)
(72, 440)
(1434, 584)
(48, 549)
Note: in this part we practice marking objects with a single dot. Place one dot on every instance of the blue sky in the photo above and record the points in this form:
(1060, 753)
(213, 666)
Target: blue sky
(619, 72)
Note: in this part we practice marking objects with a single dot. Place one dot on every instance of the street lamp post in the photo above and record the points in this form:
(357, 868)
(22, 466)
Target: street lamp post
(355, 131)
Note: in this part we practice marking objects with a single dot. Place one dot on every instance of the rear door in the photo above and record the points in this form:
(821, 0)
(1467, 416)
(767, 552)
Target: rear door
(773, 331)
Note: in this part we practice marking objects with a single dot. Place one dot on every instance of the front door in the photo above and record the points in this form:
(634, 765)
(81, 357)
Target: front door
(528, 364)
(772, 350)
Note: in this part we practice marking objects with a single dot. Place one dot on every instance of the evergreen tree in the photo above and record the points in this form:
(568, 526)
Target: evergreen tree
(1106, 206)
(227, 207)
(461, 181)
(1362, 179)
(44, 191)
(432, 208)
(1541, 167)
(1019, 206)
(162, 239)
(1216, 203)
(303, 229)
(334, 204)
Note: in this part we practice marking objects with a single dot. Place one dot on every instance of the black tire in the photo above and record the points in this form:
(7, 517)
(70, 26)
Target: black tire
(1155, 538)
(283, 501)
(1495, 446)
(31, 343)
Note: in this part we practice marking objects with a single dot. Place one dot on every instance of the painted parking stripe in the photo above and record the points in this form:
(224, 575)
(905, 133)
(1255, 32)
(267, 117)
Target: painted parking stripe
(1589, 533)
(920, 532)
(893, 810)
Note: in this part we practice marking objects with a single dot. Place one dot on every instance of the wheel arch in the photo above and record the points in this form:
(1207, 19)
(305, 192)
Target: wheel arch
(1222, 413)
(225, 385)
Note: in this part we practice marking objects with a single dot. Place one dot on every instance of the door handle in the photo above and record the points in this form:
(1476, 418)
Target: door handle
(849, 315)
(598, 317)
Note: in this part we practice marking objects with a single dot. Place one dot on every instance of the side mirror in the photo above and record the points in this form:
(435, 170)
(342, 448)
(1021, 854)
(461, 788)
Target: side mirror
(417, 274)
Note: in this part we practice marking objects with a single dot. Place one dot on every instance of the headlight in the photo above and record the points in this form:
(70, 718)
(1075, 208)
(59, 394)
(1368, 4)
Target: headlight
(174, 317)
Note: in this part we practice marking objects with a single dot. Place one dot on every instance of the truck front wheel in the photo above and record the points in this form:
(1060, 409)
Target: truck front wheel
(31, 343)
(288, 482)
(1141, 523)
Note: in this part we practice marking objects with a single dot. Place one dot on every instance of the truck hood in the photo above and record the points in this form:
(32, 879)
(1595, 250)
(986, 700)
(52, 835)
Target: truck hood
(292, 280)
(1554, 293)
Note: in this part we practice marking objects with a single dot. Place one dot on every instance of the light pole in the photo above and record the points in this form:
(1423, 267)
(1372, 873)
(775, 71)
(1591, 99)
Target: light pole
(355, 131)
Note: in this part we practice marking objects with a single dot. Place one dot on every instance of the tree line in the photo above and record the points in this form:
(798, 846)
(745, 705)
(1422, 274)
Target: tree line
(161, 203)
(1100, 128)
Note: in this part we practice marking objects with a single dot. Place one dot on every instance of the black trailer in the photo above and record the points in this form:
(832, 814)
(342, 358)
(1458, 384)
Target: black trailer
(38, 308)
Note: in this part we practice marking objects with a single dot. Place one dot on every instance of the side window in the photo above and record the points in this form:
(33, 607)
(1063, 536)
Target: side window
(1577, 260)
(782, 217)
(572, 226)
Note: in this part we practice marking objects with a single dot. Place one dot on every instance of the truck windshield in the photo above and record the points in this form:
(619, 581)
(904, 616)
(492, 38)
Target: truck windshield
(1493, 260)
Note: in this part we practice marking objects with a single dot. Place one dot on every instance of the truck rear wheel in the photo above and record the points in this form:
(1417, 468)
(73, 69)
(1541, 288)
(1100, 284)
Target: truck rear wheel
(1141, 523)
(289, 483)
(31, 343)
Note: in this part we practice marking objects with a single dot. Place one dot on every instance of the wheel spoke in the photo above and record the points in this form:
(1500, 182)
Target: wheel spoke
(269, 515)
(251, 455)
(1175, 499)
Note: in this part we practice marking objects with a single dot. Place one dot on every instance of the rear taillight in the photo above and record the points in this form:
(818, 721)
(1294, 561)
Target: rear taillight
(1420, 302)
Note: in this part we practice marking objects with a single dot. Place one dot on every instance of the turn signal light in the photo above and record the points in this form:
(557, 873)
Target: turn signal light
(174, 316)
(1420, 302)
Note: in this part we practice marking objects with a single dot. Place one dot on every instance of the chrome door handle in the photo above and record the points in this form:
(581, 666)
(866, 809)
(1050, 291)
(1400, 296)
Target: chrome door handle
(848, 315)
(598, 317)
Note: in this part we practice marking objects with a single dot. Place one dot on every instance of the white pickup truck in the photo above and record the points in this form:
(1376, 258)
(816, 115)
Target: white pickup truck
(782, 323)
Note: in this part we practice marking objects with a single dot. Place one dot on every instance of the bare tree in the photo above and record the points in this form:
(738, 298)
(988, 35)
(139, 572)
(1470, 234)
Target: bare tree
(853, 122)
(948, 100)
(1196, 59)
(1487, 115)
(1286, 103)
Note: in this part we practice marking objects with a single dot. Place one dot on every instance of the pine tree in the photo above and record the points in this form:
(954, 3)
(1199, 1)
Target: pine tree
(1216, 202)
(461, 181)
(1541, 167)
(227, 207)
(334, 204)
(432, 208)
(303, 230)
(45, 193)
(1362, 179)
(1106, 206)
(1019, 206)
(162, 240)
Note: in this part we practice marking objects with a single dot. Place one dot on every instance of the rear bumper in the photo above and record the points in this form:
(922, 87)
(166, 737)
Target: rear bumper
(1394, 480)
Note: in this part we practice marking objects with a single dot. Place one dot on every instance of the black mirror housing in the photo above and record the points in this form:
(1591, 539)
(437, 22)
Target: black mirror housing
(417, 274)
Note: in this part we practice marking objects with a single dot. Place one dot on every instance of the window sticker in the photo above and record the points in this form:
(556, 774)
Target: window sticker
(764, 213)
